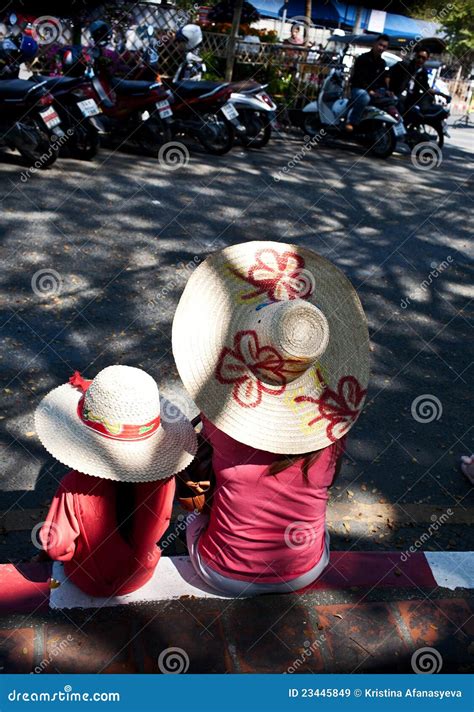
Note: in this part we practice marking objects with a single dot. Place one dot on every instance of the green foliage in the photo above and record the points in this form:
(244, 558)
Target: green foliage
(457, 21)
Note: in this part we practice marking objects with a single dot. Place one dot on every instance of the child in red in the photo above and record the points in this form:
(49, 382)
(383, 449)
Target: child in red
(271, 342)
(113, 507)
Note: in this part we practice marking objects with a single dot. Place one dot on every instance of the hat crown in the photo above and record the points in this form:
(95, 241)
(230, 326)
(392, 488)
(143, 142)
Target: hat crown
(297, 329)
(123, 394)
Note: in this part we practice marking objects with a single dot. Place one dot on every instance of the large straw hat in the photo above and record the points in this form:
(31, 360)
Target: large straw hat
(116, 427)
(271, 342)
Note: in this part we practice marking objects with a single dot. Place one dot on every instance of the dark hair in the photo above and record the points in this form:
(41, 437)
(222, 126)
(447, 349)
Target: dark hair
(307, 460)
(295, 24)
(384, 38)
(423, 49)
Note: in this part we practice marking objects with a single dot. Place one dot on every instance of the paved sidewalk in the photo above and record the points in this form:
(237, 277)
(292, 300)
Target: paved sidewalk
(392, 610)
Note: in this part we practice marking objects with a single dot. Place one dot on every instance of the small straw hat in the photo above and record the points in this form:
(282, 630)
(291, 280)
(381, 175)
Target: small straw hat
(116, 427)
(271, 342)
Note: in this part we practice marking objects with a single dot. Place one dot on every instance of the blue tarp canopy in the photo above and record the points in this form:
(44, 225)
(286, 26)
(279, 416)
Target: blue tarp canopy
(331, 13)
(324, 13)
(408, 27)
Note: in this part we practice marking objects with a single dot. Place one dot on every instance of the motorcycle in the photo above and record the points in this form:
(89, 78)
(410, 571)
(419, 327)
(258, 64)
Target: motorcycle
(378, 130)
(79, 113)
(29, 121)
(133, 112)
(200, 109)
(203, 111)
(255, 108)
(426, 122)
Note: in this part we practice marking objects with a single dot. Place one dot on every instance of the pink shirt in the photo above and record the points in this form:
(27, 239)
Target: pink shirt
(270, 527)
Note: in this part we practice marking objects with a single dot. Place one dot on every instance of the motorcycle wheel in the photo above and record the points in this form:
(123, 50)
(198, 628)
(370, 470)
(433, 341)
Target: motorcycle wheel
(153, 134)
(421, 133)
(216, 136)
(45, 154)
(383, 142)
(311, 124)
(259, 130)
(84, 143)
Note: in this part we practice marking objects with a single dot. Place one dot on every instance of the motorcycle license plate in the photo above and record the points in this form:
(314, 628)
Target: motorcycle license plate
(399, 130)
(229, 111)
(50, 117)
(164, 109)
(88, 107)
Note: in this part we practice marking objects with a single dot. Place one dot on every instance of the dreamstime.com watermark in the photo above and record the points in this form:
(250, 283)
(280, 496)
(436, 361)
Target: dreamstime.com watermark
(48, 29)
(436, 523)
(309, 649)
(183, 271)
(46, 283)
(426, 408)
(426, 30)
(181, 525)
(55, 145)
(56, 650)
(173, 155)
(436, 271)
(66, 695)
(173, 661)
(309, 144)
(426, 155)
(426, 661)
(300, 535)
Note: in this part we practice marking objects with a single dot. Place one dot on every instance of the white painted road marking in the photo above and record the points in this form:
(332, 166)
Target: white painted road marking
(452, 569)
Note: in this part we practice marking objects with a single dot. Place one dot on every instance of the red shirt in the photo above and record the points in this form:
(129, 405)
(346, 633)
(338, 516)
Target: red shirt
(81, 530)
(261, 526)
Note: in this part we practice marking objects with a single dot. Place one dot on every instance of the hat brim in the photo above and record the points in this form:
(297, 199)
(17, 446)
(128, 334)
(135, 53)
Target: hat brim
(168, 451)
(308, 413)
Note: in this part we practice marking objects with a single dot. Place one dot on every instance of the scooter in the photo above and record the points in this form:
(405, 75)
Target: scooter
(377, 130)
(255, 108)
(257, 111)
(29, 122)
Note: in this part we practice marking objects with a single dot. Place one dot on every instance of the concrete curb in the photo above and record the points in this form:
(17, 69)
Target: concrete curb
(38, 586)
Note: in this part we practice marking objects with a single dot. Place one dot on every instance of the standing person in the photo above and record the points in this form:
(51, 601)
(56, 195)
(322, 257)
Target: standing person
(111, 509)
(369, 74)
(271, 342)
(295, 37)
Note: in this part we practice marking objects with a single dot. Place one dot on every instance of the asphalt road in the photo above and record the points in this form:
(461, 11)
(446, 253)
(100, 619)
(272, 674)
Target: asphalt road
(115, 237)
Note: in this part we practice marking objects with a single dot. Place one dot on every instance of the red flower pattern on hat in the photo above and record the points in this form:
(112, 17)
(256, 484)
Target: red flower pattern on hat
(279, 275)
(340, 408)
(249, 366)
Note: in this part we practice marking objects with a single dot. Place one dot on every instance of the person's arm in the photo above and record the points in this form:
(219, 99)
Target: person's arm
(60, 530)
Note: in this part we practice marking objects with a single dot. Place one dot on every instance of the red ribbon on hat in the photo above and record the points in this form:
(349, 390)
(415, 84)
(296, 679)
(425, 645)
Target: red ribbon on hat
(114, 431)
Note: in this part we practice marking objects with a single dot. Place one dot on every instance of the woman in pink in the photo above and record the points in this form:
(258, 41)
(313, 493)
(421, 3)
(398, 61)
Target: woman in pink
(110, 511)
(271, 342)
(267, 526)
